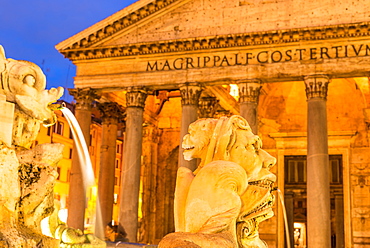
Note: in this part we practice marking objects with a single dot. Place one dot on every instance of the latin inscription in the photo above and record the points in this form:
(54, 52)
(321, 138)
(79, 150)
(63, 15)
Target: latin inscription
(260, 57)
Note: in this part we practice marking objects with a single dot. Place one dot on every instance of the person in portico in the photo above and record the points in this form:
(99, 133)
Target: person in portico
(160, 58)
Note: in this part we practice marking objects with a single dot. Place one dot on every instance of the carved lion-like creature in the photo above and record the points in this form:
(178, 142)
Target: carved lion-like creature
(222, 203)
(23, 83)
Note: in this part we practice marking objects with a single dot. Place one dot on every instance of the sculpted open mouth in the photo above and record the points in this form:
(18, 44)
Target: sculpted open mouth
(259, 192)
(263, 210)
(265, 183)
(187, 147)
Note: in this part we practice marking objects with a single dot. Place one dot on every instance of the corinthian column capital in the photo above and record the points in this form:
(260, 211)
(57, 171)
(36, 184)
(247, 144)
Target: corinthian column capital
(135, 97)
(316, 86)
(111, 112)
(249, 90)
(84, 97)
(151, 133)
(207, 107)
(190, 93)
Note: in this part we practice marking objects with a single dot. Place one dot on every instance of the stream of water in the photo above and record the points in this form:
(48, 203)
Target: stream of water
(84, 157)
(287, 234)
(82, 150)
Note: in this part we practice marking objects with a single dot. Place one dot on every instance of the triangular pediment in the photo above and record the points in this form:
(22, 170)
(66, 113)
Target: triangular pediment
(149, 26)
(124, 21)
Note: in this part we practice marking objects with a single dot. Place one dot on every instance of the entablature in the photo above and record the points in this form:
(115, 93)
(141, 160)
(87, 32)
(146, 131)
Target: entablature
(299, 139)
(332, 34)
(171, 79)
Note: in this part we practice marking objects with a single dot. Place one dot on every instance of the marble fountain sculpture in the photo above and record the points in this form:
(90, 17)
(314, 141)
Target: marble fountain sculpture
(223, 201)
(27, 176)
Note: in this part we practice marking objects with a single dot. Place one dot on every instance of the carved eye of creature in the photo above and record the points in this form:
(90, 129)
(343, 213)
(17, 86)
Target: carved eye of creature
(29, 80)
(256, 144)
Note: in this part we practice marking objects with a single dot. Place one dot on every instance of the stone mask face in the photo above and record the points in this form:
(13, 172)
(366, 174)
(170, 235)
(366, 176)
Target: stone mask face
(247, 152)
(231, 139)
(222, 202)
(24, 83)
(257, 199)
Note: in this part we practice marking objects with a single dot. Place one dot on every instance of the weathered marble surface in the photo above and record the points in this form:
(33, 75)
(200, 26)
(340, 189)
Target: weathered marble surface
(205, 18)
(27, 176)
(222, 202)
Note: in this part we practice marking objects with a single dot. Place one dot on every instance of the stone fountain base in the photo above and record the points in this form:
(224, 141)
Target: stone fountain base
(129, 245)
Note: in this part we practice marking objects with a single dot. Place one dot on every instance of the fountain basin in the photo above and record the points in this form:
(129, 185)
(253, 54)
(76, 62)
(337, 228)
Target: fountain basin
(129, 245)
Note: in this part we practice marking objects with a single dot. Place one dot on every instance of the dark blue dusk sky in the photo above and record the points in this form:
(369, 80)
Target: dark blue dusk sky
(30, 29)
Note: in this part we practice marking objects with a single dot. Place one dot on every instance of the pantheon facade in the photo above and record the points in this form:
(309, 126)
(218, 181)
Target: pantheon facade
(298, 71)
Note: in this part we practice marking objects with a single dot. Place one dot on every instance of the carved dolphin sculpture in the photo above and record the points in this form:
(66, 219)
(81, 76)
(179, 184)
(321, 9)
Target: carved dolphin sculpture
(23, 83)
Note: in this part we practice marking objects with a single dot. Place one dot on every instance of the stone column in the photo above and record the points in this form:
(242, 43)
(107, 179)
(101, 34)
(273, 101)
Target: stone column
(149, 170)
(111, 112)
(249, 91)
(339, 219)
(289, 205)
(318, 182)
(128, 216)
(77, 194)
(190, 93)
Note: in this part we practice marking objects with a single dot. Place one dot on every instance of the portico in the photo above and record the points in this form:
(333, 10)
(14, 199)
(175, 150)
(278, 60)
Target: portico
(283, 74)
